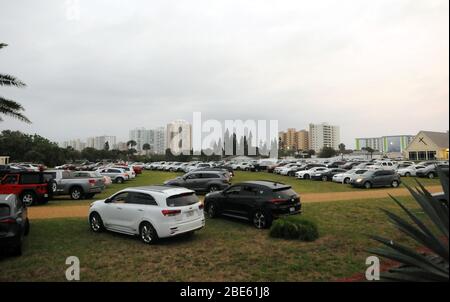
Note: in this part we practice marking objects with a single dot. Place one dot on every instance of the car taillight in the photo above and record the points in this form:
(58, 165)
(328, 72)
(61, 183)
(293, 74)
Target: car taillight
(170, 212)
(92, 182)
(8, 220)
(277, 200)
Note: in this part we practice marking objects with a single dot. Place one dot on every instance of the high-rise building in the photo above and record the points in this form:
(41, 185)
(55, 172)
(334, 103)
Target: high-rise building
(385, 144)
(154, 137)
(179, 137)
(323, 135)
(141, 136)
(98, 142)
(291, 139)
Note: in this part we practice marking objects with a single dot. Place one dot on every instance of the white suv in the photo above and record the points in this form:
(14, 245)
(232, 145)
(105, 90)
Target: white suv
(151, 212)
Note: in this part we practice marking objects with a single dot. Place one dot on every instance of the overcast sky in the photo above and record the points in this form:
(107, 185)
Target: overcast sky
(93, 67)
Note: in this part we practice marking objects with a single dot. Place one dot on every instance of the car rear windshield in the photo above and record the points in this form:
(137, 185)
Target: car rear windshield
(285, 192)
(182, 200)
(4, 210)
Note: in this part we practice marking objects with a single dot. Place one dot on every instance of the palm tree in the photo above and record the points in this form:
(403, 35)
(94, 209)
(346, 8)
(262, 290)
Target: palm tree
(146, 147)
(10, 107)
(131, 144)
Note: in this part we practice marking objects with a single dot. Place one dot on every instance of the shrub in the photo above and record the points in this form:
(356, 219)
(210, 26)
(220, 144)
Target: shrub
(301, 229)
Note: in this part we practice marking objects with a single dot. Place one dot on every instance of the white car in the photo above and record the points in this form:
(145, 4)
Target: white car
(242, 166)
(129, 170)
(151, 212)
(306, 174)
(409, 171)
(198, 166)
(346, 177)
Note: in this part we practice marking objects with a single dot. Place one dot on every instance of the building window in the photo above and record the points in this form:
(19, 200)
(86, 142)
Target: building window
(413, 155)
(431, 155)
(421, 155)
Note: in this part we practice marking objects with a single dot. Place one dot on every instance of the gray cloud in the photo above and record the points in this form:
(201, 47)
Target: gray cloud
(375, 68)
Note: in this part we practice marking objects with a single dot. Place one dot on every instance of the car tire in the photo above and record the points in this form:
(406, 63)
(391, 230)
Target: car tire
(76, 193)
(17, 250)
(120, 180)
(261, 219)
(306, 176)
(213, 188)
(96, 223)
(431, 175)
(395, 184)
(28, 198)
(27, 228)
(367, 185)
(147, 233)
(407, 174)
(211, 210)
(347, 180)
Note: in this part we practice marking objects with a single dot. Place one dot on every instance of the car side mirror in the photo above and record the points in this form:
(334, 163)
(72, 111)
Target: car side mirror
(107, 200)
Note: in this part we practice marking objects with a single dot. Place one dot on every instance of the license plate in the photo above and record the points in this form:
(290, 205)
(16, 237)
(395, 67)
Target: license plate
(292, 209)
(189, 213)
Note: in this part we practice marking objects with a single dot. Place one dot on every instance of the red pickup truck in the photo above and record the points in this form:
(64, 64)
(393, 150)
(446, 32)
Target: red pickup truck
(30, 187)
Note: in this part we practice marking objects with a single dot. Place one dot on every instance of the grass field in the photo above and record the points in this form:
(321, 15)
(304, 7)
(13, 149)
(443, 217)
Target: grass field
(300, 186)
(225, 250)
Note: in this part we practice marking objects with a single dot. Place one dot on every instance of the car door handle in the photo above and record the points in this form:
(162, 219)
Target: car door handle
(140, 210)
(119, 208)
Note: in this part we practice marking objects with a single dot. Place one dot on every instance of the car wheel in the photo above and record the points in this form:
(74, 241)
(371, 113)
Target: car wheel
(306, 176)
(407, 174)
(211, 211)
(213, 188)
(431, 175)
(367, 185)
(120, 180)
(347, 180)
(53, 186)
(96, 223)
(324, 178)
(261, 219)
(17, 250)
(76, 193)
(28, 198)
(394, 184)
(27, 228)
(148, 233)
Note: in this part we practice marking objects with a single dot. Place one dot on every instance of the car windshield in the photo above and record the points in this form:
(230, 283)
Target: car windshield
(182, 200)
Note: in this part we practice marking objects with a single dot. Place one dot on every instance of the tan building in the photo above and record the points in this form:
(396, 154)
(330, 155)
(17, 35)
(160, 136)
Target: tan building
(428, 145)
(291, 139)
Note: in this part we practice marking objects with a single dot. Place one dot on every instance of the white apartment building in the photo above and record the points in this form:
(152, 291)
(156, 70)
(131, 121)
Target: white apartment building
(323, 135)
(179, 137)
(77, 144)
(98, 142)
(154, 137)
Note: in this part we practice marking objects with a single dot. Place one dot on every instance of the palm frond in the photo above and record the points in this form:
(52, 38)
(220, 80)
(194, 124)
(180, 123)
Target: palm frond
(9, 80)
(12, 109)
(3, 45)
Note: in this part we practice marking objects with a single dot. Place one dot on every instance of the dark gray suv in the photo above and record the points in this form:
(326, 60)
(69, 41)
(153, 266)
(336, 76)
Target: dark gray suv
(377, 178)
(202, 181)
(14, 224)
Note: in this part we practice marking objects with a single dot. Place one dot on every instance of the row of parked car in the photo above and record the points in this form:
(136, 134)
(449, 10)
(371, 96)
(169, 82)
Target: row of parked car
(365, 174)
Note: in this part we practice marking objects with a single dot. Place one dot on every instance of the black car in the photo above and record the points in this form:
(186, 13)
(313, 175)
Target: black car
(327, 175)
(257, 201)
(14, 224)
(336, 164)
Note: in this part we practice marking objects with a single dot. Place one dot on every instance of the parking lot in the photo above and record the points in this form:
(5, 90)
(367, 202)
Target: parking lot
(225, 250)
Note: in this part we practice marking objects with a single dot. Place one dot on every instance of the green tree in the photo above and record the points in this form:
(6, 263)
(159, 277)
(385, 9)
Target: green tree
(131, 144)
(368, 150)
(106, 146)
(147, 148)
(327, 152)
(9, 107)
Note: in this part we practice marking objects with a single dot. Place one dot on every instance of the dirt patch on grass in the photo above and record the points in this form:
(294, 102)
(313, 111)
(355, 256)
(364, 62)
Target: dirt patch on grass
(48, 212)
